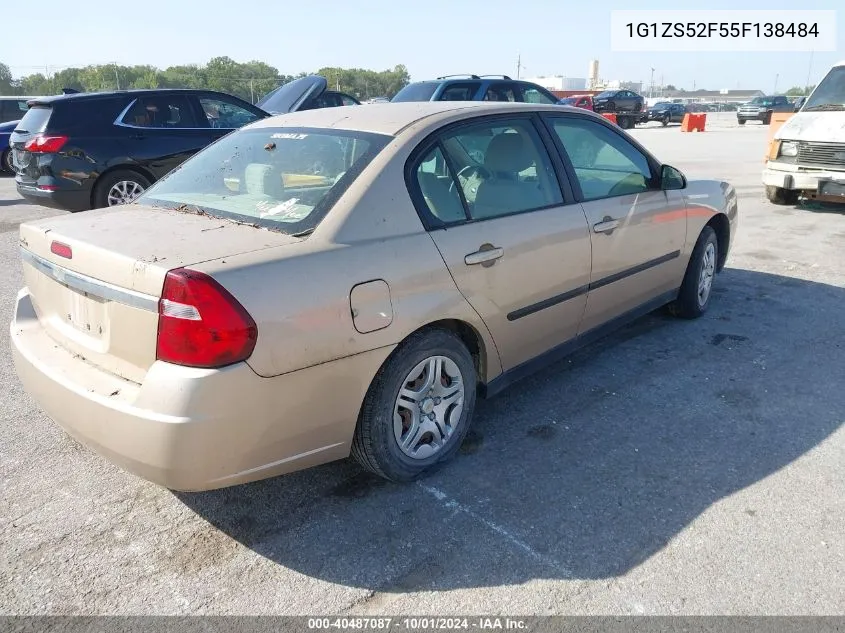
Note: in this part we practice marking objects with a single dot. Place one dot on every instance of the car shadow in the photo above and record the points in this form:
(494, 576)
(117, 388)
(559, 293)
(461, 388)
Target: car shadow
(584, 470)
(815, 206)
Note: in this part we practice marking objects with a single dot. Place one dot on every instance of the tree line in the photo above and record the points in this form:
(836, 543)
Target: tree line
(250, 80)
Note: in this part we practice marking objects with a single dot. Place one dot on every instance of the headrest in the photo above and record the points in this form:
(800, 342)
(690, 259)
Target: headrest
(507, 153)
(263, 180)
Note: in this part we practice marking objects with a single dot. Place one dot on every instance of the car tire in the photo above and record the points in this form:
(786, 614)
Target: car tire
(697, 287)
(767, 119)
(665, 120)
(741, 121)
(625, 122)
(610, 106)
(6, 162)
(778, 195)
(114, 184)
(382, 444)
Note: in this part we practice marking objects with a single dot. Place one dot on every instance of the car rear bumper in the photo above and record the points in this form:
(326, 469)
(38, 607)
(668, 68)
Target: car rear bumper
(66, 200)
(796, 180)
(195, 429)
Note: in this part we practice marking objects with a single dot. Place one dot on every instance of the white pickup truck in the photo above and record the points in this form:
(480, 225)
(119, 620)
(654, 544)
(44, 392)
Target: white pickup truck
(807, 155)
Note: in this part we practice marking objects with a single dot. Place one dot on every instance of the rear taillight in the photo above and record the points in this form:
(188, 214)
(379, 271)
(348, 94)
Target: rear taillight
(200, 324)
(42, 144)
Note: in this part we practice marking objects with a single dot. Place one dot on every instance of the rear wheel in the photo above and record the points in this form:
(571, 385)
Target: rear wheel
(625, 122)
(741, 121)
(6, 162)
(778, 195)
(665, 120)
(694, 295)
(767, 119)
(119, 187)
(419, 407)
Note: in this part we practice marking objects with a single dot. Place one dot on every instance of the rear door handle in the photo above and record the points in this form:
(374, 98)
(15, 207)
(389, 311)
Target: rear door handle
(484, 255)
(606, 225)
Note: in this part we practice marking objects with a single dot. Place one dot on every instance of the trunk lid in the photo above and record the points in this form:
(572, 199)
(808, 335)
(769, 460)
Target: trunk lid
(102, 302)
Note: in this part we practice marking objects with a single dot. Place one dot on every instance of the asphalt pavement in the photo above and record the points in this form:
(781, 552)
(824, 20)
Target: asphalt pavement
(677, 467)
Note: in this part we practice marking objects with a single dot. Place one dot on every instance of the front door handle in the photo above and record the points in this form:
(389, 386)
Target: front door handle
(487, 254)
(606, 225)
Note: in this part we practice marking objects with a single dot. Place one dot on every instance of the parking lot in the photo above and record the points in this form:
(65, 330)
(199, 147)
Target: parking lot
(677, 467)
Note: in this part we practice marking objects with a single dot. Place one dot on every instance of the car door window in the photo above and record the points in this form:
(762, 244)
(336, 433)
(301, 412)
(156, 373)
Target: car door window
(161, 111)
(530, 94)
(501, 92)
(347, 100)
(605, 164)
(502, 168)
(436, 184)
(225, 114)
(459, 92)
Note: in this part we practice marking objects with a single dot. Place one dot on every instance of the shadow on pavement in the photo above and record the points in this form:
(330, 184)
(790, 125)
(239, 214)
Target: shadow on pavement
(584, 470)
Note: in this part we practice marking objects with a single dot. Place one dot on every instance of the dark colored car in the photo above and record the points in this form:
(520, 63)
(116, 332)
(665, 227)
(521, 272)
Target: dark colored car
(13, 108)
(762, 108)
(306, 93)
(798, 103)
(578, 101)
(5, 151)
(475, 88)
(618, 101)
(667, 113)
(90, 150)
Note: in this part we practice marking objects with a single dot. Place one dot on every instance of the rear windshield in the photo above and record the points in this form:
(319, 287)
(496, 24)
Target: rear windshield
(281, 178)
(420, 91)
(35, 120)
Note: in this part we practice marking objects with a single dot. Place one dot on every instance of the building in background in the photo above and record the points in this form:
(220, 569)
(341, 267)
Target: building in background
(559, 82)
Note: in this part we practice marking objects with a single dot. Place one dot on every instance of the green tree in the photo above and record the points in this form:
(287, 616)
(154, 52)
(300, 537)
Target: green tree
(797, 91)
(7, 86)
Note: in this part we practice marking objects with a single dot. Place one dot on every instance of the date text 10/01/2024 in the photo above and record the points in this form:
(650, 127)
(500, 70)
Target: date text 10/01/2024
(722, 29)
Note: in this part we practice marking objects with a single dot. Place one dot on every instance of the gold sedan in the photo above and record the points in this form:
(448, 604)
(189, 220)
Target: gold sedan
(350, 280)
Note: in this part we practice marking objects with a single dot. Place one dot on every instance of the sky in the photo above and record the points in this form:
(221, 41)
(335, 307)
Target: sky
(430, 37)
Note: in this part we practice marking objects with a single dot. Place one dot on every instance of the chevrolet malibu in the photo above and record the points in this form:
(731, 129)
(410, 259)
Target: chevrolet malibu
(350, 280)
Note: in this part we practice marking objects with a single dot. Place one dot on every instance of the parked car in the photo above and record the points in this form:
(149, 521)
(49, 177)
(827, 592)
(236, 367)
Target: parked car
(474, 88)
(618, 101)
(176, 336)
(13, 108)
(762, 108)
(88, 150)
(578, 101)
(305, 93)
(5, 151)
(798, 103)
(807, 154)
(667, 113)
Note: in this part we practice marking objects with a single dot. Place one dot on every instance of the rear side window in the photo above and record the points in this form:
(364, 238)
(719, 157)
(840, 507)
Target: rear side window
(35, 120)
(420, 91)
(459, 92)
(532, 94)
(161, 111)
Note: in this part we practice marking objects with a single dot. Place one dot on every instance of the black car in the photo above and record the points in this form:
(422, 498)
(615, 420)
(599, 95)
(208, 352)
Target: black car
(90, 150)
(618, 101)
(667, 113)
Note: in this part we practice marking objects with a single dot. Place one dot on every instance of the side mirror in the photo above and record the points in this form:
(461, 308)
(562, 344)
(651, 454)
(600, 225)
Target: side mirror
(671, 178)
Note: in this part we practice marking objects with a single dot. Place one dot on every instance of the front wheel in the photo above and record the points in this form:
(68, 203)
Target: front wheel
(696, 288)
(778, 195)
(665, 120)
(741, 121)
(419, 407)
(119, 187)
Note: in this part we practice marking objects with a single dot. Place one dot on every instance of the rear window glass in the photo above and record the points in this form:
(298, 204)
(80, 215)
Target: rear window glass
(281, 178)
(421, 91)
(35, 120)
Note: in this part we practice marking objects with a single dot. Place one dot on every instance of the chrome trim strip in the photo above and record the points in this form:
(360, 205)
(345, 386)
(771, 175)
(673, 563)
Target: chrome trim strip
(84, 283)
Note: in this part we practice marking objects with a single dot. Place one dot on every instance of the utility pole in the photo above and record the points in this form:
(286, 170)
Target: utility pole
(651, 92)
(116, 76)
(775, 90)
(251, 92)
(809, 70)
(519, 65)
